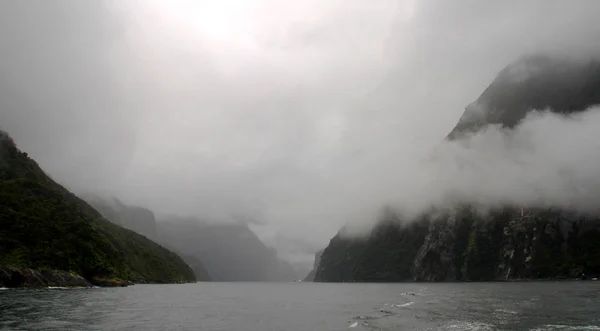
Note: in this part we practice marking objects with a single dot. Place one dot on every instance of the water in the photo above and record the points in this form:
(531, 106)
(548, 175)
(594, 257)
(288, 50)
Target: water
(307, 306)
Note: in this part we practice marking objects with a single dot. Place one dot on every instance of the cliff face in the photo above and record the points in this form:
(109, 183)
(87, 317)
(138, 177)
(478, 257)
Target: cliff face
(509, 244)
(48, 234)
(311, 275)
(385, 255)
(503, 244)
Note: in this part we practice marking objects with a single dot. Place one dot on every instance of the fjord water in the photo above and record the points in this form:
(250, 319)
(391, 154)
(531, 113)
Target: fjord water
(307, 306)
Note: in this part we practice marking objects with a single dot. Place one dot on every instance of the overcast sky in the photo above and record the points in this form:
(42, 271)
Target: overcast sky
(298, 114)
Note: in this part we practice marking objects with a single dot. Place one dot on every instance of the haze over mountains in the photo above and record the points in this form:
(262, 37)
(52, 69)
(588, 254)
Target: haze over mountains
(550, 232)
(297, 117)
(230, 252)
(50, 237)
(215, 250)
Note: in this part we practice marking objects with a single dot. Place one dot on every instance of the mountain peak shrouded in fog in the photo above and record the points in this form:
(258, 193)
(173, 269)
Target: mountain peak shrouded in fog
(490, 232)
(544, 83)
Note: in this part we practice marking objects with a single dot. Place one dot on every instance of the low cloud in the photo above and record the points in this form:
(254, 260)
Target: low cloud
(547, 160)
(301, 116)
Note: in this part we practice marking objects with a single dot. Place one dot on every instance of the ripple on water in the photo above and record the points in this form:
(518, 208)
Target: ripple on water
(253, 307)
(506, 311)
(468, 325)
(551, 327)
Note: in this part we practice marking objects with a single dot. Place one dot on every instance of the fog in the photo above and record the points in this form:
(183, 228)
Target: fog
(297, 117)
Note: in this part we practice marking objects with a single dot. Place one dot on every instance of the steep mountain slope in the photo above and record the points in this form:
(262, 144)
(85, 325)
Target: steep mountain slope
(386, 255)
(142, 221)
(47, 233)
(230, 252)
(196, 264)
(310, 277)
(507, 243)
(534, 82)
(510, 243)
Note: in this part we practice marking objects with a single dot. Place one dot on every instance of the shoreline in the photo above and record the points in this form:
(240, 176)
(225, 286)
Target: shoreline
(527, 280)
(16, 277)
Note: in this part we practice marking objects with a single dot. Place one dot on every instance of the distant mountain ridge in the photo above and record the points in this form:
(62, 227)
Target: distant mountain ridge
(512, 242)
(138, 219)
(230, 251)
(49, 236)
(143, 222)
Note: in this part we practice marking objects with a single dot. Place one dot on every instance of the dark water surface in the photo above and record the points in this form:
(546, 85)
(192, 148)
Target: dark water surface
(307, 306)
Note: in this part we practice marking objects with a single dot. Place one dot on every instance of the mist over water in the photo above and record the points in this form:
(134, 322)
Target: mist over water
(237, 137)
(301, 116)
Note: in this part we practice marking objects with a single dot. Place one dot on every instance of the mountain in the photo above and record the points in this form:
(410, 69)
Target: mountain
(230, 251)
(197, 266)
(49, 236)
(311, 275)
(143, 222)
(534, 82)
(137, 219)
(511, 242)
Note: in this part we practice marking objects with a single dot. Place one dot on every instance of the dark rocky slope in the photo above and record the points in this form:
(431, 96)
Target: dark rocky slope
(506, 243)
(535, 82)
(230, 252)
(48, 234)
(310, 277)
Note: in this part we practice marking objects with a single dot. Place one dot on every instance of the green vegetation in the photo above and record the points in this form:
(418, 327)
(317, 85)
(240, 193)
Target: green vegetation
(44, 226)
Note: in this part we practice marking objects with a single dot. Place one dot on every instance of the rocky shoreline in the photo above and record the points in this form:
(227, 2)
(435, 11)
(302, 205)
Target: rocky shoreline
(12, 277)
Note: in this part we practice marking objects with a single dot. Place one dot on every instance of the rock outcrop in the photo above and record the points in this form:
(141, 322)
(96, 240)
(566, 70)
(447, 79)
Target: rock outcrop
(23, 277)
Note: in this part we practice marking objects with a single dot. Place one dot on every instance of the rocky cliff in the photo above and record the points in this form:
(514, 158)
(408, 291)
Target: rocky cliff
(311, 275)
(509, 244)
(513, 242)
